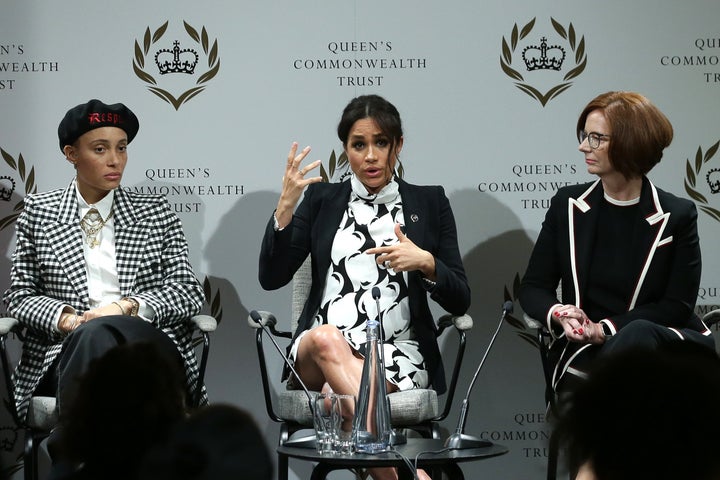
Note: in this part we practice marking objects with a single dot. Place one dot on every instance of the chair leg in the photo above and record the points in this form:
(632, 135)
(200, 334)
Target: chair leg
(553, 454)
(282, 467)
(30, 457)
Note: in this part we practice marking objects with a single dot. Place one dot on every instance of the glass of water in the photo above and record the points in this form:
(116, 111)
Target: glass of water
(327, 418)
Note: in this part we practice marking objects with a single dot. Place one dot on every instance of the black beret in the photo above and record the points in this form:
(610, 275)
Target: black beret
(95, 114)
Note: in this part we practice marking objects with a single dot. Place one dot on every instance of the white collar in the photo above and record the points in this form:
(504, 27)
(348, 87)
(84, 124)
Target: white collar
(104, 206)
(622, 203)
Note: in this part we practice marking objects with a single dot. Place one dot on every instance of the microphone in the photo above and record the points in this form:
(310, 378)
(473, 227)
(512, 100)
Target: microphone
(396, 437)
(376, 296)
(459, 439)
(302, 442)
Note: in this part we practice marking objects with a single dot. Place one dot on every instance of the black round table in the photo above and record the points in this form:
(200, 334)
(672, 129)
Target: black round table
(443, 461)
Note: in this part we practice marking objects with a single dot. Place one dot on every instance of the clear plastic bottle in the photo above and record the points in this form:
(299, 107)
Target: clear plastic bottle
(371, 425)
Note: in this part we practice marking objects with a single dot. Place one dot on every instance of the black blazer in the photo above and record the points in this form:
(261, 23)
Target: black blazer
(429, 223)
(665, 273)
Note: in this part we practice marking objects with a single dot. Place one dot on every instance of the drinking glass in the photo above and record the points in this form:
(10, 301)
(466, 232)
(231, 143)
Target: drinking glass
(344, 443)
(327, 418)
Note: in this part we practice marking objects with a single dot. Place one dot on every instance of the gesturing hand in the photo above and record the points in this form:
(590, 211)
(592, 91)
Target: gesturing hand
(294, 183)
(404, 256)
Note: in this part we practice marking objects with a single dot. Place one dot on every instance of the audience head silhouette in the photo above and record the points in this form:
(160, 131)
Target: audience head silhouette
(218, 442)
(644, 414)
(127, 401)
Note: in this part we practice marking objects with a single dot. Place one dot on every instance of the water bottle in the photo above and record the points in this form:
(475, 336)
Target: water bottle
(371, 424)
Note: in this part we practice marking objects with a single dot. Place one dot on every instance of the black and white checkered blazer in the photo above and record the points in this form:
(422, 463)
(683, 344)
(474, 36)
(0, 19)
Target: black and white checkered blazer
(48, 271)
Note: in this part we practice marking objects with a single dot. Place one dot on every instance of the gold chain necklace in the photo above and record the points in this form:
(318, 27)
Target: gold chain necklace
(91, 224)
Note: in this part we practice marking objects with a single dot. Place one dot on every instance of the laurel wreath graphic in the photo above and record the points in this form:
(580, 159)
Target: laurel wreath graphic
(336, 163)
(518, 324)
(691, 179)
(28, 179)
(150, 39)
(213, 299)
(578, 49)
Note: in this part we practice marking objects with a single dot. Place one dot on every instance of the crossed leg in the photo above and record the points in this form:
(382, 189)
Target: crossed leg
(325, 359)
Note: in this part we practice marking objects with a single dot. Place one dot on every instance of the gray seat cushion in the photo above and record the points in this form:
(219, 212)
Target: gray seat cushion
(408, 407)
(42, 413)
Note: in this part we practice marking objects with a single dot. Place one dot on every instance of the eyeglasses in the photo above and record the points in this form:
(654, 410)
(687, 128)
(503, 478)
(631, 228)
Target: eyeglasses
(593, 138)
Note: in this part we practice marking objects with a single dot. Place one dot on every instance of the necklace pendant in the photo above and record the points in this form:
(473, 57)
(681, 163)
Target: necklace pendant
(93, 242)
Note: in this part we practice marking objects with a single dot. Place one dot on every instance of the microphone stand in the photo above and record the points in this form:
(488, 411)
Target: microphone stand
(302, 442)
(459, 439)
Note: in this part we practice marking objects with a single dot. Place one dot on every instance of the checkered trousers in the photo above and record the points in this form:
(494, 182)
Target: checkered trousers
(48, 272)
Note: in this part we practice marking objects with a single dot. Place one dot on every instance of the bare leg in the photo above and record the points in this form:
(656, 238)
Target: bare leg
(586, 472)
(391, 474)
(325, 361)
(325, 357)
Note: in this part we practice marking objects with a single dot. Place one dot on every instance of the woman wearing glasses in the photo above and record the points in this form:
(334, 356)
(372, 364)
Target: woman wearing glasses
(625, 253)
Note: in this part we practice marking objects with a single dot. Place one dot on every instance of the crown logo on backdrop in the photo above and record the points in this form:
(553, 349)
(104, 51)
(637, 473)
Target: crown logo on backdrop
(176, 60)
(543, 57)
(7, 187)
(713, 179)
(693, 171)
(536, 57)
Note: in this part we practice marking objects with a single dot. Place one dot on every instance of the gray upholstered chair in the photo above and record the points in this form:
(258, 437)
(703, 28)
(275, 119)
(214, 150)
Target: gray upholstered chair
(544, 339)
(418, 410)
(42, 414)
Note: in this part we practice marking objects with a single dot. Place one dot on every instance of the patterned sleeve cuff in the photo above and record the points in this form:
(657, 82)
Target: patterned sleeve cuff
(428, 284)
(276, 225)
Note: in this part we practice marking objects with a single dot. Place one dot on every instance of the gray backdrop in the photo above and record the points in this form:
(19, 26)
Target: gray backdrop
(499, 137)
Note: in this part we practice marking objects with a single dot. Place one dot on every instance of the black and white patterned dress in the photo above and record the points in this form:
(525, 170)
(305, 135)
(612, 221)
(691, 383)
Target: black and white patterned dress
(369, 221)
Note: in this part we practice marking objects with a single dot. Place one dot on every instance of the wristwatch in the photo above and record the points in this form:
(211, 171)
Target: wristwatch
(135, 306)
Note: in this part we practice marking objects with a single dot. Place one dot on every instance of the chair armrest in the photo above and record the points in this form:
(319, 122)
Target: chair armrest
(204, 323)
(532, 323)
(267, 319)
(712, 317)
(7, 324)
(462, 322)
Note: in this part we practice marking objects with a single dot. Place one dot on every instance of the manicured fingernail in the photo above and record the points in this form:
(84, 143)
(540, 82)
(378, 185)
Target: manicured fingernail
(564, 314)
(580, 331)
(576, 332)
(557, 314)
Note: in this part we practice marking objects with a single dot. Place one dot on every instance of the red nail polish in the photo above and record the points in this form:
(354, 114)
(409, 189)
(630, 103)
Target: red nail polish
(557, 314)
(564, 314)
(580, 331)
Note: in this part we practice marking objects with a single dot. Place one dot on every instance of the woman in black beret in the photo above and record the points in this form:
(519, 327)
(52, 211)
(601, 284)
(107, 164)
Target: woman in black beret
(96, 266)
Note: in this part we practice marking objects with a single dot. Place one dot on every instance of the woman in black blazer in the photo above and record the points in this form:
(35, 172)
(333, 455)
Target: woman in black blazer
(373, 230)
(625, 253)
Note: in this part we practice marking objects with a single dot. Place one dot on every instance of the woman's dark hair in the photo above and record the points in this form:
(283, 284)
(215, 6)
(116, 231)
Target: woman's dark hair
(217, 442)
(639, 131)
(380, 110)
(128, 400)
(646, 413)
